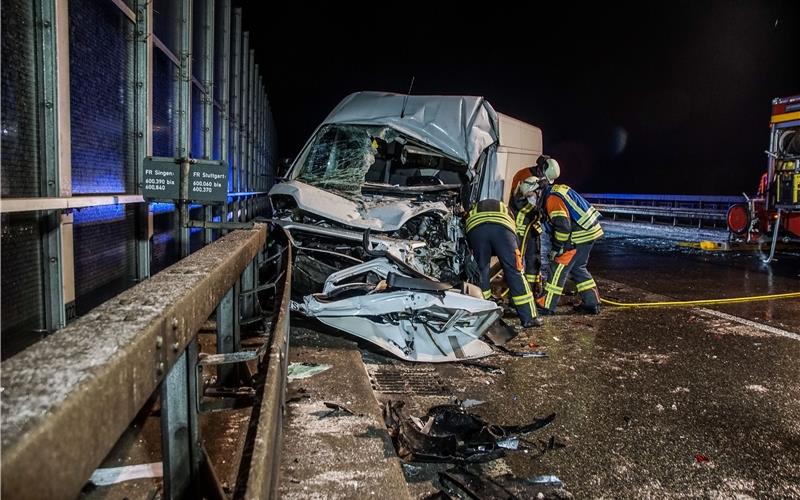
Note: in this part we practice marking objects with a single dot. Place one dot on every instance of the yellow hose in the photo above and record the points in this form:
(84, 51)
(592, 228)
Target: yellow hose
(704, 302)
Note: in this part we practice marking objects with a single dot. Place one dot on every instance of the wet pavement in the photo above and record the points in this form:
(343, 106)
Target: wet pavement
(651, 403)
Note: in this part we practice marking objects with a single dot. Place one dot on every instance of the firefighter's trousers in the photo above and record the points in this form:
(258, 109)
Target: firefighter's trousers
(530, 252)
(576, 269)
(490, 239)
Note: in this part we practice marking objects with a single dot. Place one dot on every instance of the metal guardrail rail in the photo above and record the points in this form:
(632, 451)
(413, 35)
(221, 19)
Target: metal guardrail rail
(68, 398)
(677, 209)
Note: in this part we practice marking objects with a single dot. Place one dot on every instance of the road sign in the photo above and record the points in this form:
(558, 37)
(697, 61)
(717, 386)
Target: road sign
(162, 179)
(208, 181)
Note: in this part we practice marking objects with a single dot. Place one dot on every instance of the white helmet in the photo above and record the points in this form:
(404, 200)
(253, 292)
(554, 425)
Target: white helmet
(528, 185)
(548, 168)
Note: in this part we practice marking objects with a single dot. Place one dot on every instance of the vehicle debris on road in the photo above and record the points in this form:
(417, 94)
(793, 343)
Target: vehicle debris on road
(459, 482)
(448, 433)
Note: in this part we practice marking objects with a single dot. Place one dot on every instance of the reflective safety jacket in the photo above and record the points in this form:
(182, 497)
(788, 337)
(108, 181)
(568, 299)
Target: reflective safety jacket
(494, 211)
(526, 217)
(574, 220)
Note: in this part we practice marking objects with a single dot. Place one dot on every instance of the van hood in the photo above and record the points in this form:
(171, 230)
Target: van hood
(376, 212)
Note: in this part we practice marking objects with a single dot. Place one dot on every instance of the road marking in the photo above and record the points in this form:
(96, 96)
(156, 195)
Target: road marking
(752, 324)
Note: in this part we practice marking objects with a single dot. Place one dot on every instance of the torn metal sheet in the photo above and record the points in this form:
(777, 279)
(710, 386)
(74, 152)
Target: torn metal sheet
(380, 213)
(448, 433)
(412, 318)
(461, 483)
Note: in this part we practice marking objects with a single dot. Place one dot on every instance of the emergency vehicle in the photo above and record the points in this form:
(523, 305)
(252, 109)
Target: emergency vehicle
(774, 213)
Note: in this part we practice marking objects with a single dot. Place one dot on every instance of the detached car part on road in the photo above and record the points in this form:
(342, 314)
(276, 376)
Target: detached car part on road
(413, 318)
(389, 177)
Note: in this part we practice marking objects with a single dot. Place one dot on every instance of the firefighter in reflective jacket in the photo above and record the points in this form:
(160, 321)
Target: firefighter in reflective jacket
(575, 227)
(491, 231)
(526, 212)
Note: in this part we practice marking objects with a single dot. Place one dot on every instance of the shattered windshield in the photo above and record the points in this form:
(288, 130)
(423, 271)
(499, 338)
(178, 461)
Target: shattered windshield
(345, 157)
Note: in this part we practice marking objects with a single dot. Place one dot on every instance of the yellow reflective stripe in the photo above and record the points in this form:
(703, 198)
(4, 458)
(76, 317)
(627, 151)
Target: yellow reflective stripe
(533, 278)
(521, 216)
(587, 235)
(549, 287)
(527, 288)
(548, 300)
(559, 213)
(557, 275)
(586, 285)
(589, 218)
(564, 190)
(587, 232)
(518, 298)
(495, 217)
(561, 236)
(487, 294)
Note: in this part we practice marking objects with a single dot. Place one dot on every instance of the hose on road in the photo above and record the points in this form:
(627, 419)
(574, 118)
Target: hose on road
(704, 302)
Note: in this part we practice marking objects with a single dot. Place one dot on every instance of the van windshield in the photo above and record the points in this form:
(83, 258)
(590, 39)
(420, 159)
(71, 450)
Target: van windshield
(346, 157)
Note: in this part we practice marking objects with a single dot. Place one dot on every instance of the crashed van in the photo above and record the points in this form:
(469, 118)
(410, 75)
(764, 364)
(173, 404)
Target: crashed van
(374, 205)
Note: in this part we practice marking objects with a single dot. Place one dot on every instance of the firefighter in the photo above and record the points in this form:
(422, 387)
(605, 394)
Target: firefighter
(549, 169)
(491, 232)
(526, 210)
(575, 228)
(545, 168)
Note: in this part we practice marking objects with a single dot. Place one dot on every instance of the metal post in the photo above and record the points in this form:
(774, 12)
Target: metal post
(256, 132)
(184, 88)
(244, 182)
(259, 134)
(143, 71)
(180, 435)
(248, 285)
(235, 105)
(262, 143)
(225, 337)
(250, 129)
(49, 27)
(207, 78)
(224, 86)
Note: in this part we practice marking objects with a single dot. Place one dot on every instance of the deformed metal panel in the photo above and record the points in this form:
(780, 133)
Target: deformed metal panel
(68, 398)
(414, 319)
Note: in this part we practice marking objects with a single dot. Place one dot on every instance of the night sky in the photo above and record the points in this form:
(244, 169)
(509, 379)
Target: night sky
(668, 98)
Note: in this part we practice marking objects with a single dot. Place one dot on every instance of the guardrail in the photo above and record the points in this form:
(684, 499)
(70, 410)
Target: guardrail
(68, 398)
(670, 208)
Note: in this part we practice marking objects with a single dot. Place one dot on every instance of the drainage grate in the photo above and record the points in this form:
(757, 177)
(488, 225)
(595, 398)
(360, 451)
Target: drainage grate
(403, 380)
